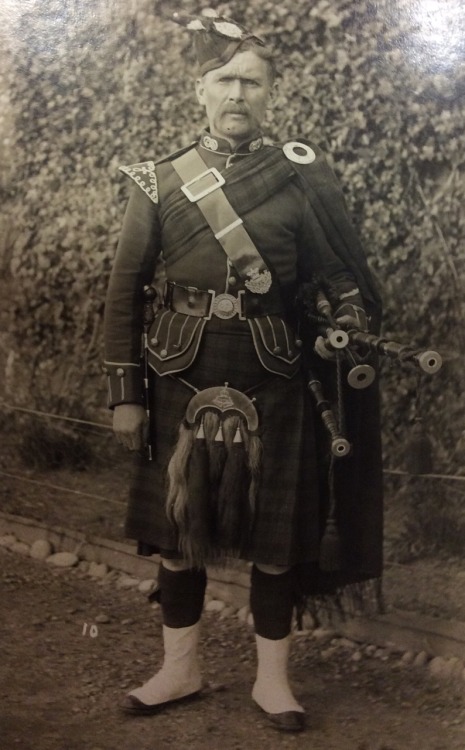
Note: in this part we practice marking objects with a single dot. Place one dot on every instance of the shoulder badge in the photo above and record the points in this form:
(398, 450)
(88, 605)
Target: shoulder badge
(144, 175)
(299, 152)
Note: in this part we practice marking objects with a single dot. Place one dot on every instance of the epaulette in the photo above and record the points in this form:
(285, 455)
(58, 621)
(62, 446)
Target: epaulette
(144, 173)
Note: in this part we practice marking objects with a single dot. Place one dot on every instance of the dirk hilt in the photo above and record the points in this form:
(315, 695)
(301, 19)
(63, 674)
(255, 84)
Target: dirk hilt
(150, 295)
(339, 445)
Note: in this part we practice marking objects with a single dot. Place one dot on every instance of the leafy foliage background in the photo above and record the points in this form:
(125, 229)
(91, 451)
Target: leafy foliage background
(92, 84)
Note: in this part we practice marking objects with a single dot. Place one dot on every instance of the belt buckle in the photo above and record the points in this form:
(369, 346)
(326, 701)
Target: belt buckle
(194, 198)
(226, 306)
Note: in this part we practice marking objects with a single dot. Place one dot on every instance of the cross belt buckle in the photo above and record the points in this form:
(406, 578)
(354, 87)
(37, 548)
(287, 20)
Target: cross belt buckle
(220, 181)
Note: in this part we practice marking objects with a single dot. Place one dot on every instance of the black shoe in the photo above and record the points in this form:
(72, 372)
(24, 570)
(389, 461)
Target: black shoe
(286, 721)
(132, 705)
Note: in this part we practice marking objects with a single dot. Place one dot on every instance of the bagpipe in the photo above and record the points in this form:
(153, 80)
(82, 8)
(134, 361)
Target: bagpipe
(341, 337)
(344, 390)
(354, 346)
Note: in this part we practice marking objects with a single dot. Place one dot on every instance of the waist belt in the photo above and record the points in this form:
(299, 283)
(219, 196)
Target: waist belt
(202, 303)
(175, 335)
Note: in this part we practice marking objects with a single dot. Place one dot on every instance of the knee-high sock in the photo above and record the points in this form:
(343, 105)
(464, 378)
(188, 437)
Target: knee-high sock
(181, 596)
(272, 599)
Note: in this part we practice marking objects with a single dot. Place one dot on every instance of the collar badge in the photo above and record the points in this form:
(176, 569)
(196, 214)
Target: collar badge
(210, 143)
(256, 144)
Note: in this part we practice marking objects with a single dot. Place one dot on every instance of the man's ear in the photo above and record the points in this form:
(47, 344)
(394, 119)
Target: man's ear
(199, 90)
(274, 91)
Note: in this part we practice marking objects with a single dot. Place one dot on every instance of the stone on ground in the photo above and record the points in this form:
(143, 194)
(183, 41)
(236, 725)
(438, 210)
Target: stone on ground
(41, 549)
(63, 559)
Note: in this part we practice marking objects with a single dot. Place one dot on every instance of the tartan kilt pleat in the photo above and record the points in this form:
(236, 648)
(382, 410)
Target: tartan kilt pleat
(286, 520)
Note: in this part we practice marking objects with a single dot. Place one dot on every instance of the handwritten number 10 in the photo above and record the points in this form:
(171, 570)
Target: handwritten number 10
(93, 630)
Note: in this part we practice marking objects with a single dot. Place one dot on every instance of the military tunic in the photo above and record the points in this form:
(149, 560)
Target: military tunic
(163, 238)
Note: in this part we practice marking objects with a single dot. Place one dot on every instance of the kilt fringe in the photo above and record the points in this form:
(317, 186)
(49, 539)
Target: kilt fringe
(356, 599)
(213, 482)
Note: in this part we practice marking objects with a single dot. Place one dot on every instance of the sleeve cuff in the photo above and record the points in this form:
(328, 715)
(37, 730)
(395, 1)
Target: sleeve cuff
(125, 383)
(350, 303)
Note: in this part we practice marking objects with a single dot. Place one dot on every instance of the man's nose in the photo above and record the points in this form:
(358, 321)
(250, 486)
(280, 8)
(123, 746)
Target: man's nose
(236, 93)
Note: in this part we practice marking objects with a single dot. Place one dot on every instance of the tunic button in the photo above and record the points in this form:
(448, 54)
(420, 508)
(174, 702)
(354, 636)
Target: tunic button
(277, 350)
(298, 343)
(232, 281)
(290, 353)
(105, 370)
(120, 372)
(154, 341)
(163, 353)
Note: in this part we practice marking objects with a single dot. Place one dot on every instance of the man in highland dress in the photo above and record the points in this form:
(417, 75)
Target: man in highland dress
(217, 240)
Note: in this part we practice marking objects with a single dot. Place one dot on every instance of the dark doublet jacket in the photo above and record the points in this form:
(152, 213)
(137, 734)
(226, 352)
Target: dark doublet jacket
(299, 226)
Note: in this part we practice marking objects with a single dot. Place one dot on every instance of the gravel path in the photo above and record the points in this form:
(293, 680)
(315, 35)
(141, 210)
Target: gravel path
(61, 680)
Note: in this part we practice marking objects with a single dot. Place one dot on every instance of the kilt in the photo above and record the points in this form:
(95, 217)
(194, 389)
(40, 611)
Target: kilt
(286, 517)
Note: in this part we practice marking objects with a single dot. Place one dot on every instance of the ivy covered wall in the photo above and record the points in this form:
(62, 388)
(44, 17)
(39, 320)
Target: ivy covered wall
(92, 84)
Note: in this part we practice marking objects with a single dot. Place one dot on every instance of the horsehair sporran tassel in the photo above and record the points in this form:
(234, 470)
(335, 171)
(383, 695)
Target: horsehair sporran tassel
(176, 501)
(217, 456)
(211, 422)
(195, 534)
(232, 522)
(254, 449)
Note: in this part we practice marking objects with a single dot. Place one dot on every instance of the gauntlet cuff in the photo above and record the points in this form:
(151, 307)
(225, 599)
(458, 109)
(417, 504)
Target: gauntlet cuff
(351, 304)
(124, 381)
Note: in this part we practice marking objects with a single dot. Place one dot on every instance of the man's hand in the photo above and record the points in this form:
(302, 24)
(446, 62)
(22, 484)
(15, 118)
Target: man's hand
(323, 349)
(130, 425)
(347, 316)
(351, 316)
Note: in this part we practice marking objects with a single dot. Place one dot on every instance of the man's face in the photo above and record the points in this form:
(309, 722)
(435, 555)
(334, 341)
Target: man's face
(236, 96)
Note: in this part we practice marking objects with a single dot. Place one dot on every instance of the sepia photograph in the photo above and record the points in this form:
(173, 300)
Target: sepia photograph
(232, 356)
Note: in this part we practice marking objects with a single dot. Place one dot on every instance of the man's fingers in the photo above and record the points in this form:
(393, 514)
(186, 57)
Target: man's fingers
(347, 320)
(135, 439)
(358, 320)
(130, 425)
(322, 349)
